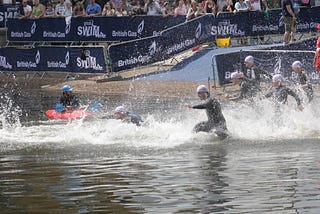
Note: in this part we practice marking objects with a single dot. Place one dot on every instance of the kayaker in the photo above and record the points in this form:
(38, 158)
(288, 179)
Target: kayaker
(68, 99)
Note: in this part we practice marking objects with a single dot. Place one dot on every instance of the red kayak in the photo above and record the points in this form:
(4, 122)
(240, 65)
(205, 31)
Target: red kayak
(67, 115)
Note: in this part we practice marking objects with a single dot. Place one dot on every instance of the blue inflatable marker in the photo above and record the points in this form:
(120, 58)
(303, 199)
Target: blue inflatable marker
(96, 106)
(59, 107)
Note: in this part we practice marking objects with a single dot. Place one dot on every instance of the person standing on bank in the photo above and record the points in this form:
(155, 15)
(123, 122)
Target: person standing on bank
(212, 106)
(302, 78)
(288, 17)
(317, 54)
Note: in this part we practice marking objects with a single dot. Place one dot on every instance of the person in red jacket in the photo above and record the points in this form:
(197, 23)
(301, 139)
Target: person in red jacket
(317, 55)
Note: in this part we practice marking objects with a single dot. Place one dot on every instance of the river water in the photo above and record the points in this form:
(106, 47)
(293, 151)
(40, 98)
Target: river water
(161, 167)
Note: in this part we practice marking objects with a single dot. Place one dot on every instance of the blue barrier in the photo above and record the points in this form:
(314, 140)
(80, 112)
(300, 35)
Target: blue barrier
(127, 28)
(64, 59)
(8, 11)
(273, 60)
(75, 29)
(203, 29)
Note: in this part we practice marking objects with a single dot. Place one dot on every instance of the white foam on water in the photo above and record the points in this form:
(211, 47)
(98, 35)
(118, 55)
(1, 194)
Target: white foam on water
(260, 121)
(256, 122)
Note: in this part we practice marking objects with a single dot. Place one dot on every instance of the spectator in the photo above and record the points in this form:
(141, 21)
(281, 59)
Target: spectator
(256, 5)
(228, 7)
(288, 18)
(108, 10)
(93, 9)
(38, 10)
(60, 7)
(127, 6)
(180, 9)
(25, 10)
(49, 10)
(152, 7)
(120, 11)
(115, 3)
(193, 11)
(241, 6)
(316, 60)
(188, 5)
(296, 10)
(138, 7)
(210, 7)
(78, 10)
(68, 11)
(166, 9)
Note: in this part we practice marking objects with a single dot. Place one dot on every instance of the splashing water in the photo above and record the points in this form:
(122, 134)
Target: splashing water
(256, 122)
(9, 113)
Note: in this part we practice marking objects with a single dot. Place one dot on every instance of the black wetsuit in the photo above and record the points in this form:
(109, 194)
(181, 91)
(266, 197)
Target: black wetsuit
(281, 94)
(254, 73)
(69, 100)
(133, 118)
(215, 118)
(302, 77)
(248, 89)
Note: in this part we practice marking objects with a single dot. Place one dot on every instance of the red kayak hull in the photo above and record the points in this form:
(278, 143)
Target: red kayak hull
(67, 115)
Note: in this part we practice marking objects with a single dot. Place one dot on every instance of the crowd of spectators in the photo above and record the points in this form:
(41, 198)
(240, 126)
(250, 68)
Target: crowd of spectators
(189, 8)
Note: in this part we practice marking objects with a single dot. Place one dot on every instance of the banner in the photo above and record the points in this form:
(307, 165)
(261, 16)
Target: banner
(158, 48)
(204, 29)
(274, 60)
(70, 59)
(127, 28)
(8, 11)
(75, 29)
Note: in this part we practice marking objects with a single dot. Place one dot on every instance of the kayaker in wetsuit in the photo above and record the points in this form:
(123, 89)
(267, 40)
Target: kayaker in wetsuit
(120, 113)
(69, 100)
(302, 79)
(212, 106)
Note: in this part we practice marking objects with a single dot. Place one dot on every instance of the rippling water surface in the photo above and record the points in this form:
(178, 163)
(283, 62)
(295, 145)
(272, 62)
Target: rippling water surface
(162, 167)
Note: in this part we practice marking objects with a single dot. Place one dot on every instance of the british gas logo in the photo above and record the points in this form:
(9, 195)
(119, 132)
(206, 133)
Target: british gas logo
(198, 31)
(59, 64)
(152, 48)
(140, 59)
(129, 33)
(24, 34)
(89, 29)
(30, 64)
(58, 34)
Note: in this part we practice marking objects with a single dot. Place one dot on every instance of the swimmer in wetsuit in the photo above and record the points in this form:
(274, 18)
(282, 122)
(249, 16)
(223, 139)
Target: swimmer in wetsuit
(281, 92)
(302, 78)
(120, 113)
(212, 106)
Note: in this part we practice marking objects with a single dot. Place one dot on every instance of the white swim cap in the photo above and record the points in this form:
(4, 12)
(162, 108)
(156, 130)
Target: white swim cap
(120, 109)
(235, 75)
(296, 64)
(249, 59)
(276, 78)
(202, 89)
